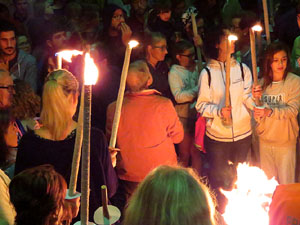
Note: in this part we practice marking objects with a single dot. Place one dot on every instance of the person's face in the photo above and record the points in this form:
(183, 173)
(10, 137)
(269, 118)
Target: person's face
(223, 45)
(23, 43)
(22, 6)
(279, 63)
(139, 6)
(6, 90)
(235, 26)
(159, 50)
(8, 43)
(165, 15)
(11, 137)
(187, 58)
(58, 41)
(117, 19)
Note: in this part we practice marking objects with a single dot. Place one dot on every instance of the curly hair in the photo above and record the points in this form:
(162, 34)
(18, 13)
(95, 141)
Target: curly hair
(38, 196)
(26, 104)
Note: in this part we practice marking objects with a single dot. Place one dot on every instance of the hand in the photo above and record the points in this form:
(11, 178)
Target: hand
(113, 154)
(262, 112)
(298, 61)
(256, 91)
(198, 40)
(126, 33)
(71, 209)
(226, 112)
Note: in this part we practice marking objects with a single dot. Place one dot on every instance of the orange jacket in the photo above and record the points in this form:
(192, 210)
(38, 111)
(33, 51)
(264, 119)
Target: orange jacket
(148, 128)
(285, 206)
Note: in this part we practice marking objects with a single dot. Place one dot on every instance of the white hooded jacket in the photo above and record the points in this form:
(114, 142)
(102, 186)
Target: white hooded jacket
(211, 99)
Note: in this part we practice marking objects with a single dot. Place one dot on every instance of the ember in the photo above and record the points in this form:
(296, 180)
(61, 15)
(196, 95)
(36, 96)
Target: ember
(248, 202)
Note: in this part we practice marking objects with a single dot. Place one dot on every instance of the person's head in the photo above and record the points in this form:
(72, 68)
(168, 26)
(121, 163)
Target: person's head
(7, 38)
(4, 12)
(139, 6)
(215, 43)
(23, 43)
(56, 35)
(298, 13)
(184, 53)
(178, 8)
(139, 76)
(43, 9)
(113, 17)
(155, 46)
(276, 62)
(8, 134)
(247, 20)
(38, 196)
(59, 102)
(73, 11)
(6, 89)
(26, 104)
(162, 8)
(170, 195)
(22, 7)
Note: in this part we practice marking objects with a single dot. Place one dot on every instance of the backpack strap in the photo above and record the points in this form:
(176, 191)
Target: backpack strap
(209, 76)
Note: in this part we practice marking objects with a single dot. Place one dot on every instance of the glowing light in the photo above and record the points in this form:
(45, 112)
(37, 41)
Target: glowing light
(232, 37)
(68, 54)
(248, 202)
(257, 28)
(133, 43)
(90, 70)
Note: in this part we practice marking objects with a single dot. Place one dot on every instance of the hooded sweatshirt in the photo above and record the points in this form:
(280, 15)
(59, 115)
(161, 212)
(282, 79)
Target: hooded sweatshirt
(184, 87)
(281, 127)
(211, 99)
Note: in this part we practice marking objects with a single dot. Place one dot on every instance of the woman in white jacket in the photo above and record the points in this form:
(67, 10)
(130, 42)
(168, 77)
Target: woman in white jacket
(183, 80)
(224, 144)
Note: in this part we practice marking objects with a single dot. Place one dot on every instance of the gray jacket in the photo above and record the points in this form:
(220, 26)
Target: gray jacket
(25, 69)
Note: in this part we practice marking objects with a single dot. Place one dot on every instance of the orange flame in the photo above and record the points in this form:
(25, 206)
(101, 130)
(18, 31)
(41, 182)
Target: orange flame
(67, 54)
(90, 70)
(248, 202)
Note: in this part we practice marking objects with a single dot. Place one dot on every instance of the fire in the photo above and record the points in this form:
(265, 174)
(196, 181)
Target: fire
(90, 70)
(248, 202)
(68, 54)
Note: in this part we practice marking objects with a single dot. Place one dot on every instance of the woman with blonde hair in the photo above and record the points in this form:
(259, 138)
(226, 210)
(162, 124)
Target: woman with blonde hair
(171, 196)
(54, 142)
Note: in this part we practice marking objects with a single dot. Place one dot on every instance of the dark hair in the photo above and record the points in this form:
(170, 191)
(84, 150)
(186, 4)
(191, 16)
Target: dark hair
(108, 13)
(180, 47)
(56, 24)
(38, 195)
(211, 39)
(5, 26)
(162, 6)
(151, 38)
(271, 50)
(5, 120)
(248, 19)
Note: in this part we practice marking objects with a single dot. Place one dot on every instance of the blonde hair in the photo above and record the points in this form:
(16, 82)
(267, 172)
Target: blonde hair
(56, 114)
(138, 76)
(171, 196)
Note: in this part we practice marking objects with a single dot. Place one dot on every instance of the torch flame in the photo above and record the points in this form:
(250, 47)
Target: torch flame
(90, 71)
(248, 202)
(257, 28)
(133, 43)
(67, 54)
(232, 37)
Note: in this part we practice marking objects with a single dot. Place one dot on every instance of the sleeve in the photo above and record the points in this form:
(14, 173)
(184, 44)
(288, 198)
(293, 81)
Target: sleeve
(174, 126)
(247, 95)
(177, 85)
(23, 160)
(204, 104)
(7, 213)
(291, 108)
(31, 75)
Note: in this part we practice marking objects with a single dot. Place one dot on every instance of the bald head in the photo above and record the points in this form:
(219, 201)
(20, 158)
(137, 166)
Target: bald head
(6, 91)
(139, 76)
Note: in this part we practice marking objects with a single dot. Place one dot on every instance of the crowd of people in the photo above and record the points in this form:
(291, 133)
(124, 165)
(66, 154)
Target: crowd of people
(175, 88)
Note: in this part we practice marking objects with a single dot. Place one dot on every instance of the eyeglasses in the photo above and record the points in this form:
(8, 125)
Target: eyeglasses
(118, 17)
(162, 48)
(8, 87)
(192, 55)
